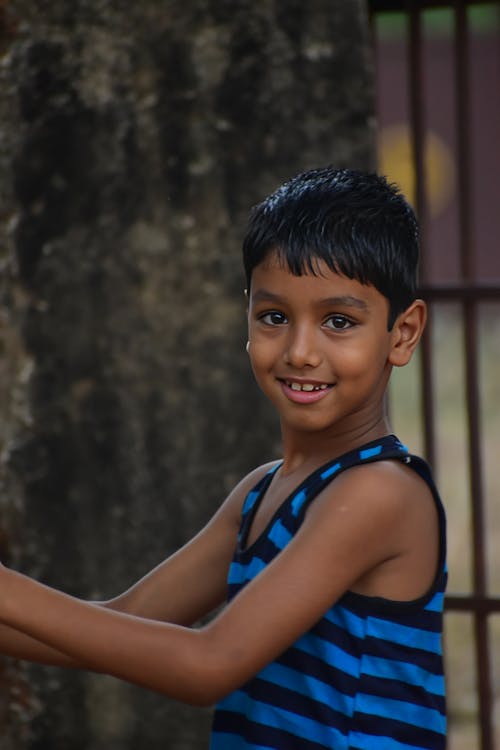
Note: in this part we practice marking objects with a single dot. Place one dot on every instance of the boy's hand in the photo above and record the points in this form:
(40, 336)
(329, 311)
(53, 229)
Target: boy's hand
(350, 532)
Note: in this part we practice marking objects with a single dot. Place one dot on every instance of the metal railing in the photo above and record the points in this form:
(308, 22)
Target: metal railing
(469, 293)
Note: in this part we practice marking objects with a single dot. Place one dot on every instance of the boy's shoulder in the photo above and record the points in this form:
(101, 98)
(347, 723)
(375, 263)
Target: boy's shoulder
(389, 483)
(250, 480)
(388, 510)
(238, 494)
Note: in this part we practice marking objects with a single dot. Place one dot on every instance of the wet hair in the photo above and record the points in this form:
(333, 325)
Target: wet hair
(357, 222)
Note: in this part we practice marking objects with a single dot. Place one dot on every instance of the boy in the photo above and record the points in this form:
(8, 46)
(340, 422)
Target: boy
(332, 559)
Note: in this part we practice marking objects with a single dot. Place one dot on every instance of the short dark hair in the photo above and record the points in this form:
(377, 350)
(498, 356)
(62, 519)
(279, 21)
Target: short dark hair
(357, 222)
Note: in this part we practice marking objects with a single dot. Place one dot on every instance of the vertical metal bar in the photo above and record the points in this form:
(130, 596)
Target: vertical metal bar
(477, 604)
(461, 53)
(417, 108)
(482, 644)
(417, 120)
(470, 311)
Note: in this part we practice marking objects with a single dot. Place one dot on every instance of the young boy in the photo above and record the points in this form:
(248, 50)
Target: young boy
(332, 559)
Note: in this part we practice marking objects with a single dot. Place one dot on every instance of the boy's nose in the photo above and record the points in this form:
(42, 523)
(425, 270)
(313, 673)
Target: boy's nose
(302, 349)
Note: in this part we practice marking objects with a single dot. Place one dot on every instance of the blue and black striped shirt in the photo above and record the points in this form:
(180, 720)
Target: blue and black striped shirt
(367, 676)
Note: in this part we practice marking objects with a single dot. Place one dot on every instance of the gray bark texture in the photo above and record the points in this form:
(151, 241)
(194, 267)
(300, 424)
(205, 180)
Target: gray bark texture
(134, 138)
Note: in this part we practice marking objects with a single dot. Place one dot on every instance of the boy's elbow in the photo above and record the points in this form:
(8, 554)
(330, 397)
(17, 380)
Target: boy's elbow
(210, 687)
(203, 692)
(204, 698)
(216, 675)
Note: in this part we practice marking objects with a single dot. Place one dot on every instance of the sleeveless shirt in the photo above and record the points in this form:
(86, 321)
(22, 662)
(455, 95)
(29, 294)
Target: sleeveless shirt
(368, 675)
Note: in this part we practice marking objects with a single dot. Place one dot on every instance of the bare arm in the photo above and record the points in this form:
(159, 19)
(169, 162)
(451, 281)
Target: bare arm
(351, 531)
(181, 590)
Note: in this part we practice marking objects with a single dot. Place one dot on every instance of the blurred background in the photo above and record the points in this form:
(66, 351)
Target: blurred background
(438, 136)
(133, 141)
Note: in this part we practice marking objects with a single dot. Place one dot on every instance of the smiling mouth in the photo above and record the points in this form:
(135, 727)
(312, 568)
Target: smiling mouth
(308, 387)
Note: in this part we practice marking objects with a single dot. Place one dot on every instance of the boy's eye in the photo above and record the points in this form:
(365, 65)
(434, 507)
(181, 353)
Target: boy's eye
(273, 318)
(338, 322)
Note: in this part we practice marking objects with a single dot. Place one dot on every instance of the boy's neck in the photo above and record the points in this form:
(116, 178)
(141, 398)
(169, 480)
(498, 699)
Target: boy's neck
(313, 449)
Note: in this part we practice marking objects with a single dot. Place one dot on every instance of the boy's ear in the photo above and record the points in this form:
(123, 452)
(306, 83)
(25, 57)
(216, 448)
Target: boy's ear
(406, 333)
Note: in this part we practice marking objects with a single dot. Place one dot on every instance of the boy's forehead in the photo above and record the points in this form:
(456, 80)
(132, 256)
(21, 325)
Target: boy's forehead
(275, 270)
(273, 279)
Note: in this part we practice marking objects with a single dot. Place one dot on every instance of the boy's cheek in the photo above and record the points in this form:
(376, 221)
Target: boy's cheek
(260, 348)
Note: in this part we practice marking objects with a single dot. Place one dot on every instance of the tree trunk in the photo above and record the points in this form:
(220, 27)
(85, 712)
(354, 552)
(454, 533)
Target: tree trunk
(134, 139)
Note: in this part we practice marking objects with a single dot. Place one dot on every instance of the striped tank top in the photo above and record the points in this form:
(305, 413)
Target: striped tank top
(368, 675)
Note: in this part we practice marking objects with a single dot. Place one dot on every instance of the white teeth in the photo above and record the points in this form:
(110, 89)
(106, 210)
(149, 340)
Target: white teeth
(307, 387)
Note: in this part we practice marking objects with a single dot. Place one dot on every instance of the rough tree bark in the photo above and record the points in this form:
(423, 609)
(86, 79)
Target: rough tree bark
(134, 137)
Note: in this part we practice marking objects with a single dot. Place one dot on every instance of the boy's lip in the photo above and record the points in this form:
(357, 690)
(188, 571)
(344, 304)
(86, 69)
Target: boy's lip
(304, 390)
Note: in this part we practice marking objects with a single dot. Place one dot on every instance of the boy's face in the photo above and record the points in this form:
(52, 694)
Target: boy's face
(319, 346)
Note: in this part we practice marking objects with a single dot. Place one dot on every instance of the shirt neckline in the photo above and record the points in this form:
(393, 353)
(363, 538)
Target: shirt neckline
(242, 549)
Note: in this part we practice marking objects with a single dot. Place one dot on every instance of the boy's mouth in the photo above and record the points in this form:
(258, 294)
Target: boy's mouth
(303, 392)
(306, 386)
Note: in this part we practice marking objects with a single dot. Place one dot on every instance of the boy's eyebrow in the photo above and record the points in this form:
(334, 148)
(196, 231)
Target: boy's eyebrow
(343, 300)
(262, 295)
